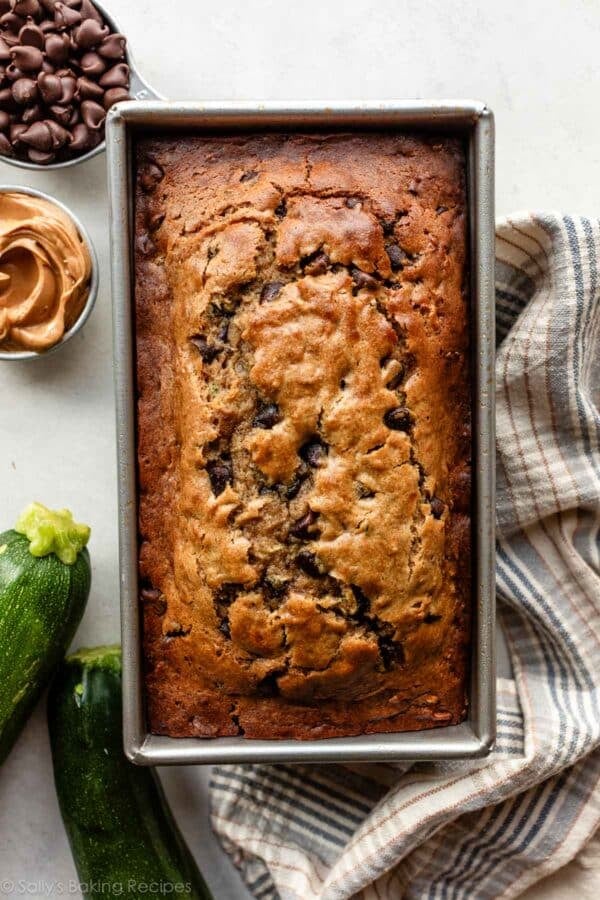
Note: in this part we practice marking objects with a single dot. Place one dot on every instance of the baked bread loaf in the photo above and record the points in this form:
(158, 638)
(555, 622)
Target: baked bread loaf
(303, 433)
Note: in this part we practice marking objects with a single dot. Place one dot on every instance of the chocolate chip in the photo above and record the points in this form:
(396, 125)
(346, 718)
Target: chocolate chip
(352, 202)
(117, 76)
(68, 84)
(50, 87)
(80, 138)
(115, 95)
(31, 114)
(363, 279)
(303, 528)
(281, 210)
(24, 91)
(441, 209)
(26, 7)
(4, 50)
(4, 120)
(7, 101)
(293, 488)
(313, 452)
(89, 11)
(92, 114)
(66, 71)
(95, 138)
(226, 593)
(267, 416)
(47, 26)
(12, 22)
(145, 245)
(16, 130)
(219, 310)
(39, 157)
(151, 594)
(249, 176)
(155, 221)
(13, 73)
(270, 291)
(150, 176)
(113, 47)
(334, 587)
(461, 489)
(396, 380)
(6, 148)
(38, 136)
(398, 258)
(308, 562)
(363, 604)
(92, 65)
(208, 352)
(317, 264)
(221, 474)
(223, 332)
(27, 58)
(363, 492)
(90, 34)
(57, 48)
(391, 651)
(62, 114)
(31, 35)
(437, 507)
(60, 136)
(430, 618)
(268, 686)
(65, 17)
(275, 585)
(88, 89)
(398, 418)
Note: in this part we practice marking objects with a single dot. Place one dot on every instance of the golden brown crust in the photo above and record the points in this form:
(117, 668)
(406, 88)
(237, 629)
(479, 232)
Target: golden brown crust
(303, 433)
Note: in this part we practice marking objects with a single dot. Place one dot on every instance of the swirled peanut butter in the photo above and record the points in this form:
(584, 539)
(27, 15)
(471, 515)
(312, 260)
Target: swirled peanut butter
(45, 270)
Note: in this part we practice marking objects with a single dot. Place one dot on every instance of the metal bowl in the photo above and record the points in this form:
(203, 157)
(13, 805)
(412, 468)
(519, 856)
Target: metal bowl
(94, 278)
(139, 89)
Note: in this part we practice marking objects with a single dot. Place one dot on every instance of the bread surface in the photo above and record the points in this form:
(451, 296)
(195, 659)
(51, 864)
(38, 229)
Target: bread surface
(303, 432)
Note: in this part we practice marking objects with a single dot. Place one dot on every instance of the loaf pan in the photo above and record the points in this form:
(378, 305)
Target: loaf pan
(474, 122)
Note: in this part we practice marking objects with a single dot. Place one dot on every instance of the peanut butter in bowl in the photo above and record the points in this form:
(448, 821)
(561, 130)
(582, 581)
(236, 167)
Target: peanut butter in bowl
(46, 270)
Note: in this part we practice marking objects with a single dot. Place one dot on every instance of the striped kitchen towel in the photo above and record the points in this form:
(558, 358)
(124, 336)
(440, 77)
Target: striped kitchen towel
(489, 828)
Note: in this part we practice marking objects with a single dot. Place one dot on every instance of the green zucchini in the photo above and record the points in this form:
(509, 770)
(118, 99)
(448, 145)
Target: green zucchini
(45, 580)
(118, 822)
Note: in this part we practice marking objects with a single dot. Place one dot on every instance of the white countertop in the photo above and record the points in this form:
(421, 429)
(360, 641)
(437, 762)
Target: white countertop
(535, 64)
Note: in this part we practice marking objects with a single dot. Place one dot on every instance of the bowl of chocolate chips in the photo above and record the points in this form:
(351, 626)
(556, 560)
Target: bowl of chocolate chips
(62, 66)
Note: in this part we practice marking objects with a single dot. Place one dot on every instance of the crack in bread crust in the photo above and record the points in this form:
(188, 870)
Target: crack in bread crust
(303, 433)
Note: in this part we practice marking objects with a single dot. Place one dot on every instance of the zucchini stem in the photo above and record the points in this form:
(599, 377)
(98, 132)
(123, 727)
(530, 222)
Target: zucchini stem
(108, 656)
(52, 531)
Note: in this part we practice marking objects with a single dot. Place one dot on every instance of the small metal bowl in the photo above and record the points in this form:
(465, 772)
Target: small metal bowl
(139, 89)
(13, 356)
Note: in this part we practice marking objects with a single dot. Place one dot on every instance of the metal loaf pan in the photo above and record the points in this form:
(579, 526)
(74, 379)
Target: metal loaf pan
(474, 122)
